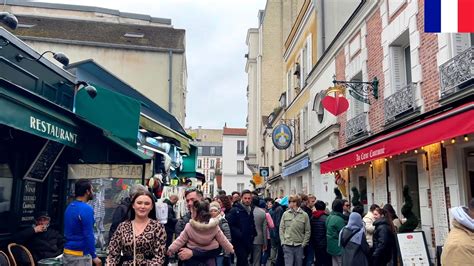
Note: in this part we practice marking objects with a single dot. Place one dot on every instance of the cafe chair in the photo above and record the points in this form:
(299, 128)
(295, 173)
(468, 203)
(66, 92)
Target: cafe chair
(4, 260)
(20, 255)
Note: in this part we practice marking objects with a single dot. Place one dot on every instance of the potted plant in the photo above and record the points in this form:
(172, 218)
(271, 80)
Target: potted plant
(411, 222)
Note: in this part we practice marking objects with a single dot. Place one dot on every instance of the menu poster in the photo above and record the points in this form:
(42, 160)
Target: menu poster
(45, 160)
(412, 248)
(28, 203)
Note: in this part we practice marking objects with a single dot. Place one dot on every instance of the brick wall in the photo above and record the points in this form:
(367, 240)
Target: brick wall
(428, 49)
(341, 75)
(375, 69)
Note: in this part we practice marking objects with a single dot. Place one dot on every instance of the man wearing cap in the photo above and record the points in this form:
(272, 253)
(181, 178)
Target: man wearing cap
(42, 241)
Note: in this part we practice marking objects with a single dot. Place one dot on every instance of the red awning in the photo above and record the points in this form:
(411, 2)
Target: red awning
(455, 122)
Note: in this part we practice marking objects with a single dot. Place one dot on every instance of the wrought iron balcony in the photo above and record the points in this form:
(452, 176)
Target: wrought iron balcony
(458, 73)
(357, 127)
(400, 103)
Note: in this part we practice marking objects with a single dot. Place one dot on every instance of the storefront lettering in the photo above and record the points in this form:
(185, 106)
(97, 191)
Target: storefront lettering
(369, 155)
(52, 130)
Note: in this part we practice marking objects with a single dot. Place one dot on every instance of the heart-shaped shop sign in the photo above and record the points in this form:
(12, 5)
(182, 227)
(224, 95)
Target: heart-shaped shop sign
(335, 105)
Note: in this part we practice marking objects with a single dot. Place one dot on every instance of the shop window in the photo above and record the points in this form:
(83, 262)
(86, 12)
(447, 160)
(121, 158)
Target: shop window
(410, 178)
(6, 189)
(111, 185)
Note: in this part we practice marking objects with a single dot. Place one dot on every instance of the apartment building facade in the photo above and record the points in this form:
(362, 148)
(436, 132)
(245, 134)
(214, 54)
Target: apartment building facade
(209, 159)
(415, 130)
(148, 53)
(236, 175)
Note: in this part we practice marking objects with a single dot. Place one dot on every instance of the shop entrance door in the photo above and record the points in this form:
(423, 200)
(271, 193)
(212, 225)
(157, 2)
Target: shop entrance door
(410, 178)
(470, 173)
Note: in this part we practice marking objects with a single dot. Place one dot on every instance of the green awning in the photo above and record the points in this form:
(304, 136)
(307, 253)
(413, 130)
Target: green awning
(112, 111)
(37, 116)
(189, 162)
(164, 131)
(127, 147)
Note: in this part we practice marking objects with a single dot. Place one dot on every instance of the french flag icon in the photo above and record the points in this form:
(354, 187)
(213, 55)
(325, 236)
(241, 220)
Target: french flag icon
(449, 15)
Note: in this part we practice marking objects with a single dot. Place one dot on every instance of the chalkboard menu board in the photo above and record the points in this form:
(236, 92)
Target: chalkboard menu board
(28, 203)
(45, 160)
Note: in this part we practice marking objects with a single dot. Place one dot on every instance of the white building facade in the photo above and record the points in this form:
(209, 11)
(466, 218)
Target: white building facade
(236, 175)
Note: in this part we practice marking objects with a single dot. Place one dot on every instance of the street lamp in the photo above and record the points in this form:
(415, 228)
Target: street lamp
(9, 20)
(60, 57)
(91, 90)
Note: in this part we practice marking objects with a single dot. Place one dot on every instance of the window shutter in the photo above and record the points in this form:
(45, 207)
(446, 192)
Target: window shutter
(461, 41)
(358, 107)
(309, 54)
(302, 70)
(397, 68)
(289, 76)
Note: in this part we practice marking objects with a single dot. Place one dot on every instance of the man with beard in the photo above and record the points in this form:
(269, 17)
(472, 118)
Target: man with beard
(79, 249)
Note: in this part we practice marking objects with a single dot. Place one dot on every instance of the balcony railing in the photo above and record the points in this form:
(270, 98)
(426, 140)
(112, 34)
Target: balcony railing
(400, 103)
(357, 127)
(457, 73)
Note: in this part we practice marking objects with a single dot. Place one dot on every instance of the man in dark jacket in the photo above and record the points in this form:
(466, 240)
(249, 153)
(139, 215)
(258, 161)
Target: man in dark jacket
(242, 228)
(171, 222)
(318, 235)
(43, 242)
(191, 195)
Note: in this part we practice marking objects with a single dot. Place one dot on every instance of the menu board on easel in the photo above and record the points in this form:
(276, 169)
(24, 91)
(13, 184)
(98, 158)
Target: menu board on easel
(28, 203)
(413, 249)
(45, 161)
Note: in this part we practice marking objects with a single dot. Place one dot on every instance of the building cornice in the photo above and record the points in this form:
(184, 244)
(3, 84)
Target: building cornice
(297, 29)
(103, 45)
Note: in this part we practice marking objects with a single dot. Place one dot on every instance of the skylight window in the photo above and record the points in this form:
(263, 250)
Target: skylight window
(134, 35)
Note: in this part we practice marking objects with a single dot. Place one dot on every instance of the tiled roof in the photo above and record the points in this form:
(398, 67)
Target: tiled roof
(235, 131)
(101, 32)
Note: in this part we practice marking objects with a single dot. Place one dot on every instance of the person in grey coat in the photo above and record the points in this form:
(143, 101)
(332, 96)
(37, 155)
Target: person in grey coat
(352, 239)
(260, 241)
(215, 211)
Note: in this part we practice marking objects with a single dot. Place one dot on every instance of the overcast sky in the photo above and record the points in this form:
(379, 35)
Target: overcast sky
(215, 48)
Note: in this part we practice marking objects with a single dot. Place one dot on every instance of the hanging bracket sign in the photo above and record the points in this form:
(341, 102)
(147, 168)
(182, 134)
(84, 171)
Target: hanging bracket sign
(282, 137)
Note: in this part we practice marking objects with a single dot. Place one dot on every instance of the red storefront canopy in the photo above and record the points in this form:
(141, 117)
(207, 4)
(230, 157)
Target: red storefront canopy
(455, 122)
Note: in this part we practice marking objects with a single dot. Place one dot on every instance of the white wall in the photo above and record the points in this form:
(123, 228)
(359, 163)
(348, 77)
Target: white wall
(230, 178)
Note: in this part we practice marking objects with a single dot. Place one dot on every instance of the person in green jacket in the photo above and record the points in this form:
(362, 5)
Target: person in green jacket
(295, 232)
(334, 224)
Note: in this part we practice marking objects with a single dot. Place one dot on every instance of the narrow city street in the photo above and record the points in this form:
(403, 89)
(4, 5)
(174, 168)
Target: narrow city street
(237, 132)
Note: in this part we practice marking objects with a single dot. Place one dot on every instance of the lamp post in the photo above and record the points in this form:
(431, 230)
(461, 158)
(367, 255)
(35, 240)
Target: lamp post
(9, 20)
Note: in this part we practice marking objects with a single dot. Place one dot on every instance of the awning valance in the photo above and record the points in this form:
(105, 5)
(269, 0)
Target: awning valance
(36, 116)
(154, 126)
(455, 122)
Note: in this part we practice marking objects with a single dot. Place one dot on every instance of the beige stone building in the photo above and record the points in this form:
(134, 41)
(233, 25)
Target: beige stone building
(146, 52)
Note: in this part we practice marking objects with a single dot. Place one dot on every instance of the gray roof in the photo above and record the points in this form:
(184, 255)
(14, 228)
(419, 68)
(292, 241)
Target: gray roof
(83, 32)
(89, 9)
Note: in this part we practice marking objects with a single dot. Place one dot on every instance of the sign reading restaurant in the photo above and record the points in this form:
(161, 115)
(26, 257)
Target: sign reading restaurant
(52, 130)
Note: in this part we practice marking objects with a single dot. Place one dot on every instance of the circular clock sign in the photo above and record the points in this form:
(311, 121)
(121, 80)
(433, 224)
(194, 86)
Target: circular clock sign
(282, 137)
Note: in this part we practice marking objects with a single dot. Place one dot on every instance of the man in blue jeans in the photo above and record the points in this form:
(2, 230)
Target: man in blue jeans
(79, 249)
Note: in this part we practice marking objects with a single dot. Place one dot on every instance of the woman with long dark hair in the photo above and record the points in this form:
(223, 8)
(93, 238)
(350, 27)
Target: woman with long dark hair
(141, 239)
(225, 203)
(384, 238)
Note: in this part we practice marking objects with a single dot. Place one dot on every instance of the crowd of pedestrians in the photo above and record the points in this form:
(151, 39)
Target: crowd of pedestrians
(238, 229)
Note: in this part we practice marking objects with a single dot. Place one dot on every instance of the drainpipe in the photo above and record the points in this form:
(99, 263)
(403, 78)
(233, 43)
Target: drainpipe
(170, 81)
